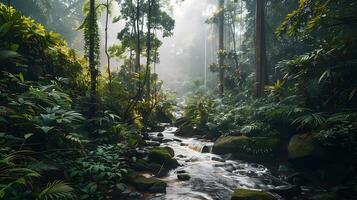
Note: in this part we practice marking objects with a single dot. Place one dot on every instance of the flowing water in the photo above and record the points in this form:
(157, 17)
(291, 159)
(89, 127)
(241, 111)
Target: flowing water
(212, 177)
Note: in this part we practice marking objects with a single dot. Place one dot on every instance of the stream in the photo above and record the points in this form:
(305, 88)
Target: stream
(212, 177)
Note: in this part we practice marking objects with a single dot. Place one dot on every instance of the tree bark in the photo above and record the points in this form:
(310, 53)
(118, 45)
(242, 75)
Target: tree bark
(106, 46)
(138, 47)
(91, 53)
(221, 47)
(260, 49)
(148, 51)
(233, 28)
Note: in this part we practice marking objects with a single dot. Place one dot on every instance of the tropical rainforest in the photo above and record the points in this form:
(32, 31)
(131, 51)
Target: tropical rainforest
(178, 99)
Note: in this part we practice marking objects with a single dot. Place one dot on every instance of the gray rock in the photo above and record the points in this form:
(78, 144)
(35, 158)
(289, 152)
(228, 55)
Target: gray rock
(181, 171)
(287, 191)
(218, 159)
(183, 177)
(206, 149)
(152, 143)
(165, 140)
(158, 139)
(177, 140)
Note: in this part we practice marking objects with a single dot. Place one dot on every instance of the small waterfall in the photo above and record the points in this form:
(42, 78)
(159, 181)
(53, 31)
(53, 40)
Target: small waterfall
(201, 147)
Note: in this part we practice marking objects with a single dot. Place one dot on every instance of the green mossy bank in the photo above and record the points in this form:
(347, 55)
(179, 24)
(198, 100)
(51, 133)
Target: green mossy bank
(246, 194)
(247, 148)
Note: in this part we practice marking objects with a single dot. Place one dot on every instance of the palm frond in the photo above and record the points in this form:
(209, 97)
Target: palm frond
(57, 190)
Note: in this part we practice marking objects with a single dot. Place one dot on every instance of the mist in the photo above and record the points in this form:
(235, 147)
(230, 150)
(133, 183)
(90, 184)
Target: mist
(182, 56)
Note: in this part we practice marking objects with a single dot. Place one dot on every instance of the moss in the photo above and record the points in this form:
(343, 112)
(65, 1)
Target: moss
(304, 145)
(183, 176)
(170, 151)
(159, 155)
(143, 165)
(163, 155)
(149, 184)
(301, 146)
(325, 196)
(187, 129)
(245, 194)
(246, 148)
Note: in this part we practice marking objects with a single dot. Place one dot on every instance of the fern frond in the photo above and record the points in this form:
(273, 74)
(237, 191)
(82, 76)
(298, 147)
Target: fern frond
(57, 190)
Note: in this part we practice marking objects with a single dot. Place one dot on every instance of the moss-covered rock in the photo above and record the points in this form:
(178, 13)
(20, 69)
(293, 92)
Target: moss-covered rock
(304, 149)
(245, 194)
(149, 184)
(183, 176)
(163, 156)
(325, 196)
(187, 129)
(170, 150)
(247, 148)
(287, 191)
(144, 165)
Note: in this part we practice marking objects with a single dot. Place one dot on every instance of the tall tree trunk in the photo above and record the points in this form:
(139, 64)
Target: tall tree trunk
(233, 28)
(91, 50)
(221, 47)
(106, 46)
(138, 47)
(260, 49)
(148, 51)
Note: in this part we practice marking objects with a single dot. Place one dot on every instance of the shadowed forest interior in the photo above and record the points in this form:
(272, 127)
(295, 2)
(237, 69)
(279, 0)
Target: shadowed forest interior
(178, 99)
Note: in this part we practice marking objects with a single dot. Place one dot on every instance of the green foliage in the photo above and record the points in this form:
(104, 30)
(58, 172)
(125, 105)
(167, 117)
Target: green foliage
(42, 53)
(321, 75)
(56, 190)
(42, 111)
(20, 180)
(59, 16)
(99, 171)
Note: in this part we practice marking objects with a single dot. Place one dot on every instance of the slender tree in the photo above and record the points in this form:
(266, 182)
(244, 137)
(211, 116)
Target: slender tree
(221, 47)
(148, 50)
(260, 49)
(91, 54)
(138, 38)
(106, 45)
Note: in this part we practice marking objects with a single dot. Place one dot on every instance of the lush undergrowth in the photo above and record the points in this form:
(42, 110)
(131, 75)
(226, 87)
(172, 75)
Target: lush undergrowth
(52, 144)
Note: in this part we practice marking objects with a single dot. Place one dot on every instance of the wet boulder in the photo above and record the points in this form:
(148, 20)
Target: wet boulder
(183, 176)
(218, 159)
(144, 165)
(157, 139)
(145, 136)
(170, 150)
(187, 129)
(287, 191)
(158, 129)
(149, 184)
(177, 140)
(246, 194)
(299, 179)
(206, 149)
(163, 156)
(247, 148)
(141, 153)
(166, 140)
(325, 196)
(304, 150)
(152, 143)
(179, 122)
